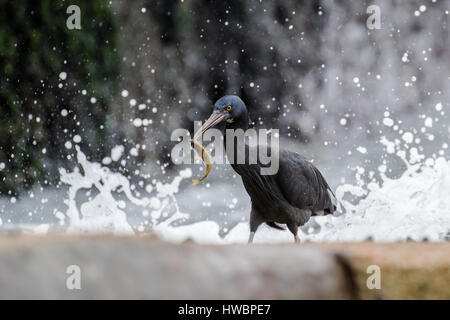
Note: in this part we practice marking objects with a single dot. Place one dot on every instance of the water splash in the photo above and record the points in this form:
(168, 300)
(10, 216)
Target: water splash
(103, 213)
(415, 206)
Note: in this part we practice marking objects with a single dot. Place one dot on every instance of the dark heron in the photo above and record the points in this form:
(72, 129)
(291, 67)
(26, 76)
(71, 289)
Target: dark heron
(291, 196)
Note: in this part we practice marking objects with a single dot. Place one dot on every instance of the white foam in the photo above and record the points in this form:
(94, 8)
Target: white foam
(416, 206)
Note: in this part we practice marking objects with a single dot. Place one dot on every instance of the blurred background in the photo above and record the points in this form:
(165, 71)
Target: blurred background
(137, 70)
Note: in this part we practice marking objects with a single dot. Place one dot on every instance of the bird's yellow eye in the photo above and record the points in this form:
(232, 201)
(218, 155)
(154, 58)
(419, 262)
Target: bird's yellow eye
(228, 108)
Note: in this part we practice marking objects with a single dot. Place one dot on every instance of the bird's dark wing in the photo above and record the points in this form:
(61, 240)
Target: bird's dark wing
(302, 184)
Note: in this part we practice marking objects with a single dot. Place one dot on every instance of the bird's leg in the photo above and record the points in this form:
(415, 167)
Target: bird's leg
(255, 222)
(253, 228)
(250, 238)
(294, 229)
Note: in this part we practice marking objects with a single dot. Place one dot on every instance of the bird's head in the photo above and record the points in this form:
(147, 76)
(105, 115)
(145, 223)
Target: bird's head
(229, 112)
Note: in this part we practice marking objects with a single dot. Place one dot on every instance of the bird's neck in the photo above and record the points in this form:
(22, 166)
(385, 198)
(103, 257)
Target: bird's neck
(235, 145)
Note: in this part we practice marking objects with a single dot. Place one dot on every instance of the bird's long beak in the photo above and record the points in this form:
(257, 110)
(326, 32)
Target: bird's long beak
(215, 118)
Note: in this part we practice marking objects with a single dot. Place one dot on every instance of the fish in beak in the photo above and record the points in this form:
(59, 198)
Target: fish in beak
(215, 118)
(206, 158)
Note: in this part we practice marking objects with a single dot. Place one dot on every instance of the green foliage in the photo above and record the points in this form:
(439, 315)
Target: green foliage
(35, 47)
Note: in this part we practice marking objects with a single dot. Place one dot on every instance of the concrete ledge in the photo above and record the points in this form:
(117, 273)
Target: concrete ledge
(146, 268)
(409, 270)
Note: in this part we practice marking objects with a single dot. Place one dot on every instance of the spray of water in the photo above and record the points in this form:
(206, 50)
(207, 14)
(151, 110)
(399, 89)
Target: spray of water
(103, 213)
(413, 206)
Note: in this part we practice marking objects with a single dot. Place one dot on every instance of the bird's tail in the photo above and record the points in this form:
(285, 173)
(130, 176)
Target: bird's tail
(334, 200)
(335, 203)
(336, 208)
(275, 226)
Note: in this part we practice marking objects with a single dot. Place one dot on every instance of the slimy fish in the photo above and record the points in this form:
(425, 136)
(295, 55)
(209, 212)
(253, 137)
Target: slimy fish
(206, 158)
